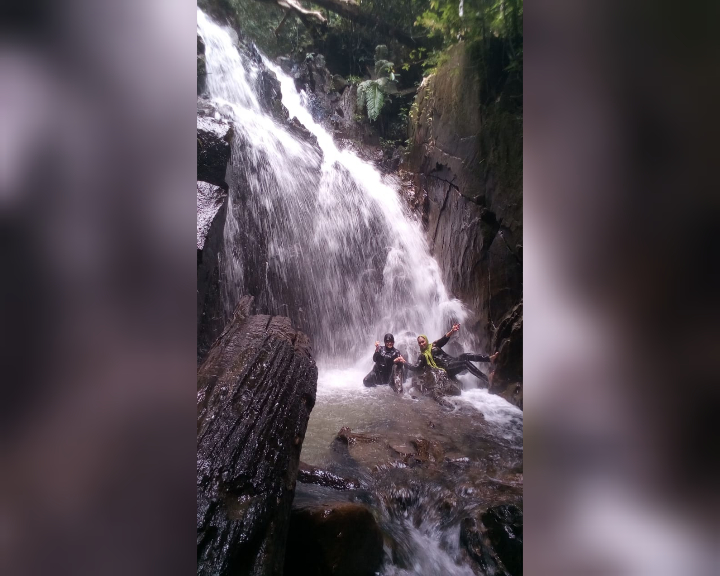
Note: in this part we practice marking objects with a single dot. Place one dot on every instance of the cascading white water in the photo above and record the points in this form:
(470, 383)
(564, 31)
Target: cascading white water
(332, 241)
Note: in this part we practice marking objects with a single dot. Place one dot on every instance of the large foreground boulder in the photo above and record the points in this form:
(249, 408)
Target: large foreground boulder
(256, 389)
(339, 539)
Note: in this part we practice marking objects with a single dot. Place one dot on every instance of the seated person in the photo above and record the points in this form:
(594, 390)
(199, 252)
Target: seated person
(385, 358)
(434, 356)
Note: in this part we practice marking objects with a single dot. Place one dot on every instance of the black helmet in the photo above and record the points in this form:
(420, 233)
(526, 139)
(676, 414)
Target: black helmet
(389, 338)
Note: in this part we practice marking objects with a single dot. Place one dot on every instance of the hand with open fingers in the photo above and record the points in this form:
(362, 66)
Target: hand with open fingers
(377, 344)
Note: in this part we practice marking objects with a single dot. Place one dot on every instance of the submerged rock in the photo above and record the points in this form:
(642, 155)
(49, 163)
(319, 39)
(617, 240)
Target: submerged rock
(308, 474)
(436, 384)
(256, 389)
(495, 543)
(339, 538)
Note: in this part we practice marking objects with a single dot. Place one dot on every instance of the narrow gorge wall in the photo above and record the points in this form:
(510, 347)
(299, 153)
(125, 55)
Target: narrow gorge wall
(466, 157)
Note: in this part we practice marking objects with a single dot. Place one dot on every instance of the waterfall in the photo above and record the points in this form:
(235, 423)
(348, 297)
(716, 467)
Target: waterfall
(315, 232)
(318, 234)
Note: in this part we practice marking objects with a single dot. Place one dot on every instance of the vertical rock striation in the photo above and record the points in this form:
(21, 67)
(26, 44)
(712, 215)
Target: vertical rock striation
(256, 389)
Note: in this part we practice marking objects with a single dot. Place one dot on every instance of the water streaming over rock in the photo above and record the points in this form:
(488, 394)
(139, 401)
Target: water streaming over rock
(333, 244)
(316, 233)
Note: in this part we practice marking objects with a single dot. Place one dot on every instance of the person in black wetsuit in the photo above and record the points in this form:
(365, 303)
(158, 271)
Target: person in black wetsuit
(385, 358)
(434, 356)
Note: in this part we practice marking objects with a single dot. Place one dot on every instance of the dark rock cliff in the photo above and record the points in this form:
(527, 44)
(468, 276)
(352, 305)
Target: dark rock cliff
(466, 157)
(214, 139)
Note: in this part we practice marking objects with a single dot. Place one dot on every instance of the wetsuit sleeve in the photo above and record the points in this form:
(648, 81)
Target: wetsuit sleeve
(421, 363)
(440, 342)
(377, 355)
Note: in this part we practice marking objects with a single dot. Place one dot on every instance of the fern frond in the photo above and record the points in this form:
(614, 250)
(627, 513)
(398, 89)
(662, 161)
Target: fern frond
(375, 99)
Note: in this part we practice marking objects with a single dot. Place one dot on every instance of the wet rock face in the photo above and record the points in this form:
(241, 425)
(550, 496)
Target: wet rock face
(466, 156)
(269, 88)
(435, 383)
(474, 539)
(339, 538)
(332, 99)
(494, 540)
(201, 66)
(214, 138)
(211, 212)
(505, 530)
(507, 380)
(256, 389)
(210, 200)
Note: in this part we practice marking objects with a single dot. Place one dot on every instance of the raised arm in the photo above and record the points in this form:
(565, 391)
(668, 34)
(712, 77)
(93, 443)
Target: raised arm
(440, 342)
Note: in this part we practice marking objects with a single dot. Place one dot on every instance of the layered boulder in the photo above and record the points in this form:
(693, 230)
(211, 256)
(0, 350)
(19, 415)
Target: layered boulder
(256, 389)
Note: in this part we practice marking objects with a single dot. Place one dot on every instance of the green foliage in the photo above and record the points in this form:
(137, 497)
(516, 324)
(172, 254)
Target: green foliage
(370, 95)
(373, 94)
(479, 18)
(434, 60)
(355, 80)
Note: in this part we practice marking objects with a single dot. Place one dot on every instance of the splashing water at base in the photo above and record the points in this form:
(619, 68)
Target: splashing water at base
(432, 554)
